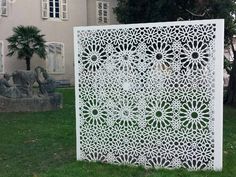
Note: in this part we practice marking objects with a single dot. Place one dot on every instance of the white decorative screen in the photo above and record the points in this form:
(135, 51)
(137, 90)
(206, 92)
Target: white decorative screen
(150, 94)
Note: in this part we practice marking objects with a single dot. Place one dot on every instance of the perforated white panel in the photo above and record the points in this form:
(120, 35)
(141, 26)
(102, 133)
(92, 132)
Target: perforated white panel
(150, 94)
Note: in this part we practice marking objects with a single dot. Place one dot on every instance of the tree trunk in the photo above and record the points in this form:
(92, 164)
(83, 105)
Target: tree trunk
(27, 59)
(231, 91)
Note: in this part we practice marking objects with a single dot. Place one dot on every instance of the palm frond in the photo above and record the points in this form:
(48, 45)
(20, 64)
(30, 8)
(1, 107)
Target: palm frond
(26, 41)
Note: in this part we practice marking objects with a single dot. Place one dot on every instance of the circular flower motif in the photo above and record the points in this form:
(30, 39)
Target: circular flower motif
(94, 112)
(187, 33)
(151, 35)
(162, 55)
(204, 94)
(167, 135)
(167, 94)
(204, 153)
(125, 112)
(185, 135)
(126, 159)
(185, 93)
(120, 35)
(194, 114)
(168, 34)
(86, 93)
(85, 37)
(195, 55)
(167, 151)
(124, 56)
(194, 165)
(204, 137)
(93, 57)
(96, 157)
(159, 162)
(159, 114)
(133, 36)
(185, 152)
(206, 32)
(102, 37)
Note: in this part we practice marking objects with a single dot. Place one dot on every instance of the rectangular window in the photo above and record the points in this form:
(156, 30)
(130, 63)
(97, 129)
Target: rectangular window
(3, 8)
(55, 62)
(1, 57)
(103, 13)
(56, 9)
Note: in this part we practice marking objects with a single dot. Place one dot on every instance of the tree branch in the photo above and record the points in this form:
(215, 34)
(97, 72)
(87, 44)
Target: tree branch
(197, 15)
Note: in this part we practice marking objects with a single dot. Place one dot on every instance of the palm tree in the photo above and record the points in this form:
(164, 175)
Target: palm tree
(27, 41)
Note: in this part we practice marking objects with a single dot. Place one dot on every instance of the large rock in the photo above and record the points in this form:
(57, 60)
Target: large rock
(34, 104)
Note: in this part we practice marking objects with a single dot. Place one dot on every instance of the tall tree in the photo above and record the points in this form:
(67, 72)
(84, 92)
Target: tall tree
(141, 11)
(25, 42)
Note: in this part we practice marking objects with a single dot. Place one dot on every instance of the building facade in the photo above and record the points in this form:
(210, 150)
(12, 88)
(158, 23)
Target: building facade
(55, 19)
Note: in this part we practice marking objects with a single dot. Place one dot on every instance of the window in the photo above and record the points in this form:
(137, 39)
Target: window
(1, 57)
(55, 62)
(103, 13)
(3, 8)
(64, 9)
(55, 9)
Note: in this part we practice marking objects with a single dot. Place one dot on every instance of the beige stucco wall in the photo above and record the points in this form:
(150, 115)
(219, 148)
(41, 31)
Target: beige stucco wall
(28, 12)
(91, 12)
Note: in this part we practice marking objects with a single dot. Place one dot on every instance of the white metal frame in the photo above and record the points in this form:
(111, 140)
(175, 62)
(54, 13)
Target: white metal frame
(218, 102)
(219, 74)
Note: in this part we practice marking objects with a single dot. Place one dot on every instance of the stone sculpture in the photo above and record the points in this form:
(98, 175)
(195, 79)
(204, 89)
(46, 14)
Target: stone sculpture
(23, 82)
(19, 95)
(4, 85)
(47, 85)
(7, 90)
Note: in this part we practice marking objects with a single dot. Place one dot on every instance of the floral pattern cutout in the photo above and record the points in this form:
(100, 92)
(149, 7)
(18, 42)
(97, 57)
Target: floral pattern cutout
(145, 95)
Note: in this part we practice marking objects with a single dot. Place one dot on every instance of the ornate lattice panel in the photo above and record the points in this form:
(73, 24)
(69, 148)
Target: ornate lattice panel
(150, 94)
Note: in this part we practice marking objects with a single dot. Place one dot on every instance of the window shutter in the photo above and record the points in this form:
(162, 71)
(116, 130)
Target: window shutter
(55, 62)
(4, 8)
(64, 10)
(45, 9)
(103, 13)
(99, 12)
(1, 57)
(0, 7)
(60, 64)
(50, 57)
(106, 13)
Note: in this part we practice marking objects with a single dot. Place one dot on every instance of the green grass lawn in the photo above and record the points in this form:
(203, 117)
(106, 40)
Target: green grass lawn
(43, 145)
